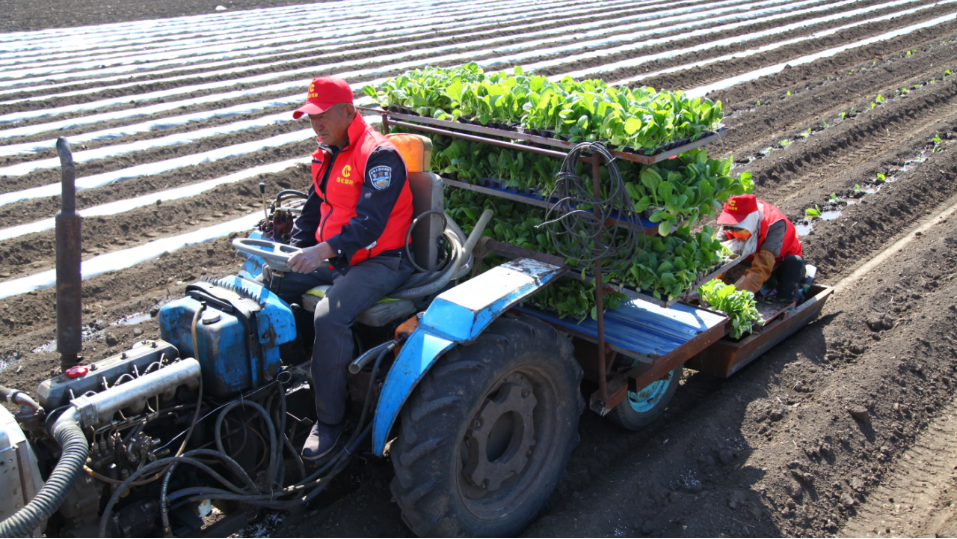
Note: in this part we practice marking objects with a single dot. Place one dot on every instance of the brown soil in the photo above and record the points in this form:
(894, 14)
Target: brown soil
(772, 451)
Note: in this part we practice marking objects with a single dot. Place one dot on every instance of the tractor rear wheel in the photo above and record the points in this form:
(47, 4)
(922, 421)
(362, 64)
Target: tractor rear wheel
(486, 435)
(640, 408)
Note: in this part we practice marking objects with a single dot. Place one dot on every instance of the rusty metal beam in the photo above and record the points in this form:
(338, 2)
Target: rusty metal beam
(644, 374)
(420, 122)
(69, 301)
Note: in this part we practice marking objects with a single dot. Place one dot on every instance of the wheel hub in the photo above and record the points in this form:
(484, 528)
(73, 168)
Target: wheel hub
(502, 434)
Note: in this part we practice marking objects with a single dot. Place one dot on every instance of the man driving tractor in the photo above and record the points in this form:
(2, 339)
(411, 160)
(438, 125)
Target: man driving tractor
(352, 232)
(755, 229)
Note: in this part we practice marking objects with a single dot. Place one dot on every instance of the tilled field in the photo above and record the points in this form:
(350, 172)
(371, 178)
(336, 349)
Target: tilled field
(857, 100)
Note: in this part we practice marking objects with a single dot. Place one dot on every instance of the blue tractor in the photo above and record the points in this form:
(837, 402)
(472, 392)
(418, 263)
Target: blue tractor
(474, 396)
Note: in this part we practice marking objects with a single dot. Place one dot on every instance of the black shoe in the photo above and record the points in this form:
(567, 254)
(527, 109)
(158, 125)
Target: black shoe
(322, 440)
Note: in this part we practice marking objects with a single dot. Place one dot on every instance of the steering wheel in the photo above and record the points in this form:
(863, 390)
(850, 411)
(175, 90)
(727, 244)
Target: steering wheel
(275, 254)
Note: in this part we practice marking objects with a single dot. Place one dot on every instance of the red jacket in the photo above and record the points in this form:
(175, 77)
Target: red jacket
(791, 244)
(359, 205)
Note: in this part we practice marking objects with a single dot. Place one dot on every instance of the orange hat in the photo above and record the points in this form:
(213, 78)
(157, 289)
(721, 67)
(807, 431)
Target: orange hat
(737, 208)
(324, 92)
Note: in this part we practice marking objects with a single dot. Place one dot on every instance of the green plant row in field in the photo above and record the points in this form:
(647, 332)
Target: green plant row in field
(639, 119)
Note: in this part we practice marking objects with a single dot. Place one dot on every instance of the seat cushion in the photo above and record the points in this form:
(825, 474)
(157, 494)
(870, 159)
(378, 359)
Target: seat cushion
(384, 311)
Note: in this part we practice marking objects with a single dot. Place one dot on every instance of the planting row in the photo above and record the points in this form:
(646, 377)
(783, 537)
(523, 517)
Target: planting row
(635, 120)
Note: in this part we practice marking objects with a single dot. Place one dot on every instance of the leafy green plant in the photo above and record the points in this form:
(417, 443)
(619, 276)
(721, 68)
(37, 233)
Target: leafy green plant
(811, 213)
(677, 192)
(938, 142)
(806, 134)
(833, 199)
(789, 93)
(857, 188)
(843, 115)
(784, 143)
(879, 99)
(639, 119)
(873, 104)
(739, 305)
(881, 177)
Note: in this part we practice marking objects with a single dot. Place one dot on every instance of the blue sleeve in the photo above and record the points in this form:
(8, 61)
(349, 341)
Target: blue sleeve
(304, 227)
(385, 177)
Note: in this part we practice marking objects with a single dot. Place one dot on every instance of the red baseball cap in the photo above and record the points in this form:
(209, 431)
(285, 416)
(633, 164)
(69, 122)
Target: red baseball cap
(324, 92)
(737, 208)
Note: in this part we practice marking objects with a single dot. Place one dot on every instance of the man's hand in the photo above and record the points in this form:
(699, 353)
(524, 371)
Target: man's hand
(311, 258)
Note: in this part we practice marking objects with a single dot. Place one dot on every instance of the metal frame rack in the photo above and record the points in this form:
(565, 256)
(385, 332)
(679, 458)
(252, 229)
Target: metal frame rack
(612, 386)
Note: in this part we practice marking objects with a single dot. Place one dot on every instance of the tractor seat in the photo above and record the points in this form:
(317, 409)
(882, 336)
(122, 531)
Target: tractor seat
(427, 195)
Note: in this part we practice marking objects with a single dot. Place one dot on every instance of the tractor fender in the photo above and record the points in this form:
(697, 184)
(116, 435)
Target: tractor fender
(457, 316)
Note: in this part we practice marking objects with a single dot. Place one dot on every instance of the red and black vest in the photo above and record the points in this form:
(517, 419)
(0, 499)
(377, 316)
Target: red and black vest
(344, 187)
(791, 244)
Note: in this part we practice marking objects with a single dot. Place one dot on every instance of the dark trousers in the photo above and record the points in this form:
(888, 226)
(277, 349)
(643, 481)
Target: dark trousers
(789, 274)
(359, 289)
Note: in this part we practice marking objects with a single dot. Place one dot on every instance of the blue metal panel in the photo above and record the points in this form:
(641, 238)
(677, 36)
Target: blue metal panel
(641, 327)
(221, 340)
(462, 313)
(459, 316)
(418, 354)
(253, 266)
(277, 325)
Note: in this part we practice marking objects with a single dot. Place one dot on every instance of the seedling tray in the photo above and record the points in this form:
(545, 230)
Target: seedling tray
(667, 152)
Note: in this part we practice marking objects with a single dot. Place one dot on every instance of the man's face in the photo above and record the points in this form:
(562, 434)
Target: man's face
(332, 126)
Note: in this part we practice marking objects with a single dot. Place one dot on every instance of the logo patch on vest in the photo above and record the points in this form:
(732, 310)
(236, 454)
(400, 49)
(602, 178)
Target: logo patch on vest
(380, 177)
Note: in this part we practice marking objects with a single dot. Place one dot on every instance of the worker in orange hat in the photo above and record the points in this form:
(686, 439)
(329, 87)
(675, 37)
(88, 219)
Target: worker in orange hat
(757, 230)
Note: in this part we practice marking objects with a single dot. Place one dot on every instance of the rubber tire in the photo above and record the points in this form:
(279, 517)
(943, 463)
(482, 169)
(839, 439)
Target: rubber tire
(628, 418)
(426, 455)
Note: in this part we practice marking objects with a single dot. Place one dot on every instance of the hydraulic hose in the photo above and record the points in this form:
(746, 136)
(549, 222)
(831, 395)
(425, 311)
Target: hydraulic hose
(460, 253)
(17, 397)
(70, 436)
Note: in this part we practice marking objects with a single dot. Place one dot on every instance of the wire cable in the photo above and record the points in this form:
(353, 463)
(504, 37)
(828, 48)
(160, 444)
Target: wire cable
(598, 232)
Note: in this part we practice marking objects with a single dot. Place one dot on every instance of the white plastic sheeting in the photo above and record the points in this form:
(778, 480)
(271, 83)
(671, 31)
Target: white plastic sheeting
(178, 139)
(752, 75)
(126, 205)
(147, 169)
(119, 260)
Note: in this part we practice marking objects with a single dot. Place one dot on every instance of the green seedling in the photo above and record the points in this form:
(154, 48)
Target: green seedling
(806, 134)
(843, 115)
(873, 104)
(784, 143)
(833, 199)
(857, 188)
(739, 305)
(881, 177)
(937, 144)
(789, 93)
(813, 212)
(879, 99)
(932, 81)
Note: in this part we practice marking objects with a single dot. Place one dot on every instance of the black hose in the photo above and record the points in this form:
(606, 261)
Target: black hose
(75, 452)
(273, 444)
(149, 469)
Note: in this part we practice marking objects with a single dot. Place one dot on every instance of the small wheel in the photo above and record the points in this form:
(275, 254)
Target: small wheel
(640, 408)
(485, 437)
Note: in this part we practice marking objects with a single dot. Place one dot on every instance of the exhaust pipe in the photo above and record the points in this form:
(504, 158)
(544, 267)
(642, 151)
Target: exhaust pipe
(69, 302)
